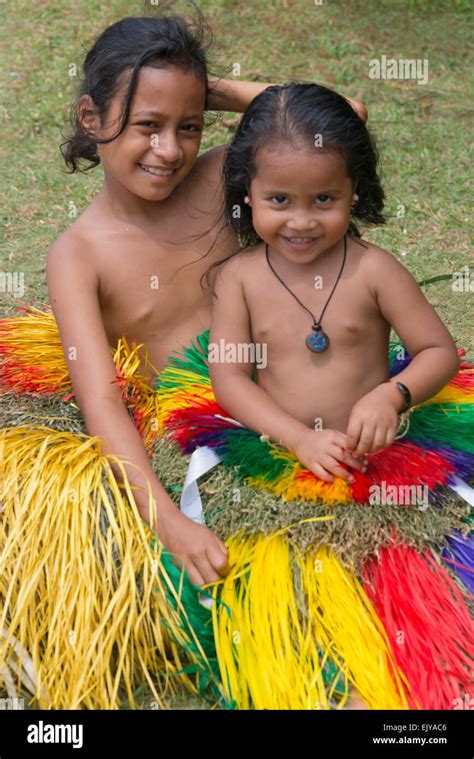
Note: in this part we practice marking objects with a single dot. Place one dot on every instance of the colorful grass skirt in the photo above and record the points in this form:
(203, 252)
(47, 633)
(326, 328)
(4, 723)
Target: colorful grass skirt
(331, 586)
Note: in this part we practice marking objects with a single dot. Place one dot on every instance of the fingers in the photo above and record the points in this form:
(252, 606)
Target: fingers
(335, 468)
(331, 468)
(359, 108)
(213, 563)
(370, 435)
(390, 436)
(359, 464)
(339, 438)
(201, 572)
(193, 572)
(346, 457)
(195, 575)
(219, 558)
(354, 429)
(374, 439)
(366, 439)
(321, 472)
(332, 464)
(200, 569)
(379, 438)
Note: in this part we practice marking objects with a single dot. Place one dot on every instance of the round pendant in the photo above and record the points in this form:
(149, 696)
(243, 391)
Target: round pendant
(317, 341)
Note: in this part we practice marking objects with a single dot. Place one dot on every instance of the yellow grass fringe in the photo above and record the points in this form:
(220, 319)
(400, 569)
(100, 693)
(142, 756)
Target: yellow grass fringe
(346, 620)
(286, 614)
(82, 604)
(267, 655)
(34, 361)
(33, 344)
(137, 376)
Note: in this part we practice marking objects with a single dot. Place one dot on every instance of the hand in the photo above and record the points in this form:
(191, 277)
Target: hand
(373, 422)
(359, 108)
(203, 554)
(323, 453)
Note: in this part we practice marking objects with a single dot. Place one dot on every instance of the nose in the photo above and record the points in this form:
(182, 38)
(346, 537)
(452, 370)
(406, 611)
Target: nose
(167, 146)
(301, 221)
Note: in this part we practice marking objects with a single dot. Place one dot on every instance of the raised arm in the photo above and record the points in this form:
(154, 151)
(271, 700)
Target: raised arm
(235, 95)
(73, 293)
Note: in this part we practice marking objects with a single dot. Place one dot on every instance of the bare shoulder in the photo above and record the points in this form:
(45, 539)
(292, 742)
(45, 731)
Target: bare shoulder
(374, 257)
(244, 265)
(377, 264)
(206, 175)
(81, 237)
(212, 160)
(71, 256)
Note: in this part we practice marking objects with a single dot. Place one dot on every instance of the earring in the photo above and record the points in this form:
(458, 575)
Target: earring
(246, 199)
(355, 198)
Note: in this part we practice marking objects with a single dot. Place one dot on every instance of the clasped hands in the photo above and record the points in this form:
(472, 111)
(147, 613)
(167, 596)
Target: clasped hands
(372, 426)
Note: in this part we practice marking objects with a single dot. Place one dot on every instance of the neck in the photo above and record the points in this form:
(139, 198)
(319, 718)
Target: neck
(124, 206)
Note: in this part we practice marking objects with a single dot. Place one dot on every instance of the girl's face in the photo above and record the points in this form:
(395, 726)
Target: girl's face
(301, 200)
(161, 140)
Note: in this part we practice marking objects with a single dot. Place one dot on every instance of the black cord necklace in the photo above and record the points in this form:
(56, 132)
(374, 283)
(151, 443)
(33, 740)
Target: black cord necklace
(317, 341)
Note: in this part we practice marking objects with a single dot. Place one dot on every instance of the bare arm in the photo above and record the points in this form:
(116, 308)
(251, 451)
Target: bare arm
(73, 293)
(235, 95)
(435, 362)
(433, 350)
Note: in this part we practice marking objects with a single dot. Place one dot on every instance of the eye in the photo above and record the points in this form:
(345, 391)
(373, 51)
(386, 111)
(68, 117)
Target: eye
(191, 128)
(279, 199)
(148, 124)
(323, 199)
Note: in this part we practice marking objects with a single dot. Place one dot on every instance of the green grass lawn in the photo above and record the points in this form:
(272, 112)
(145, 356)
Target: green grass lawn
(423, 131)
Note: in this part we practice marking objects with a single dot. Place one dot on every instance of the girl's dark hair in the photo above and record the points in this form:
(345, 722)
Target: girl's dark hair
(297, 113)
(130, 44)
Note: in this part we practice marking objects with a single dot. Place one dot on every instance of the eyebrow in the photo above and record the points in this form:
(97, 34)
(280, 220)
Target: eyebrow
(157, 113)
(332, 191)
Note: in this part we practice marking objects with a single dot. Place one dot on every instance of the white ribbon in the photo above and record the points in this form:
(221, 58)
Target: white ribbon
(462, 489)
(202, 461)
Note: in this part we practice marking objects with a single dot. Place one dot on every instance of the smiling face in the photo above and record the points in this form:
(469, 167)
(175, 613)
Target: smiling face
(301, 200)
(161, 140)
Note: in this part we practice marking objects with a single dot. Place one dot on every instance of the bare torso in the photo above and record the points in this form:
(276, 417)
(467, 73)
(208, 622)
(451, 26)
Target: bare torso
(313, 386)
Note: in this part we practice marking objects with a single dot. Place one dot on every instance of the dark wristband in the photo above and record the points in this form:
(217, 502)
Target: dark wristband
(406, 396)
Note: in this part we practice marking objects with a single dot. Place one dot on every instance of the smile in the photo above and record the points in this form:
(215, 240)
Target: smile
(300, 243)
(157, 172)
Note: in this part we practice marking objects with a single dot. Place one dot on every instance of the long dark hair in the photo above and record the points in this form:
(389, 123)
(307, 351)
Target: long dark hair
(130, 44)
(296, 113)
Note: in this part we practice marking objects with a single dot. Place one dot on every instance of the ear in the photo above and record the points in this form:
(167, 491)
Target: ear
(87, 114)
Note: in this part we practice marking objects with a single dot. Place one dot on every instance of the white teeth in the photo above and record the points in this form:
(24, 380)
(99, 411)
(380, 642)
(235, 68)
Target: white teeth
(300, 239)
(156, 172)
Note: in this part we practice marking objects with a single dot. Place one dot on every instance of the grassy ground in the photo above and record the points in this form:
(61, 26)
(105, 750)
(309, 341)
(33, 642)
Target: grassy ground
(423, 130)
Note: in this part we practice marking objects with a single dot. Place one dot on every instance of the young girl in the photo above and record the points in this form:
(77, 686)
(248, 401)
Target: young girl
(317, 300)
(314, 300)
(131, 264)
